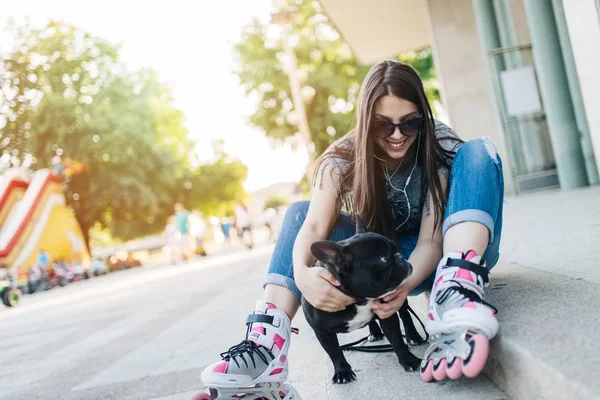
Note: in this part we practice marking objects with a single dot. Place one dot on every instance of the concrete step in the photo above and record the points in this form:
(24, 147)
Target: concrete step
(546, 347)
(548, 343)
(546, 289)
(379, 376)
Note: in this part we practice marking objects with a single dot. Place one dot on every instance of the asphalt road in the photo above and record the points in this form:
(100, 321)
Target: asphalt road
(145, 333)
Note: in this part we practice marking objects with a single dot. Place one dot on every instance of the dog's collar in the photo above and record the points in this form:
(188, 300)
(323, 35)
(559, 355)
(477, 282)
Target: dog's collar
(366, 298)
(357, 298)
(386, 294)
(380, 297)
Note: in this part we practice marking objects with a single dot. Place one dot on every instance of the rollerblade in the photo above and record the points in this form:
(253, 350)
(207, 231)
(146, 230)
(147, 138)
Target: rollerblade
(460, 322)
(258, 364)
(261, 391)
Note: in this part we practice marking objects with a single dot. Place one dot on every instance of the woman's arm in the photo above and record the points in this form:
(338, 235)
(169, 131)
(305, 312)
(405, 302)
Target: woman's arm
(424, 259)
(316, 283)
(429, 250)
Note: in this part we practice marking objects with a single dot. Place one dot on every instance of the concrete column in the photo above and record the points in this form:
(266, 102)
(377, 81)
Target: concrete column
(489, 37)
(584, 34)
(506, 32)
(524, 129)
(576, 96)
(554, 88)
(463, 71)
(487, 26)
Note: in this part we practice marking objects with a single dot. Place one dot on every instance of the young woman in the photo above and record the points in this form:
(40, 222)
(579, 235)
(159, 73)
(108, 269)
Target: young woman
(412, 179)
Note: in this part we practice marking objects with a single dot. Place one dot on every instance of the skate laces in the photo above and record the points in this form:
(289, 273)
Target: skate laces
(250, 347)
(456, 294)
(246, 347)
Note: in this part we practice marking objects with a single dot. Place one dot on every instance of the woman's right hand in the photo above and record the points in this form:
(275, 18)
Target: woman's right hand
(318, 286)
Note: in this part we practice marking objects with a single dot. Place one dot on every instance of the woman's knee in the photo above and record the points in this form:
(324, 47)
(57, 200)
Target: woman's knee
(296, 212)
(477, 153)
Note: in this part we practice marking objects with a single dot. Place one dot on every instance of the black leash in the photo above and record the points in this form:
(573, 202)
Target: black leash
(380, 348)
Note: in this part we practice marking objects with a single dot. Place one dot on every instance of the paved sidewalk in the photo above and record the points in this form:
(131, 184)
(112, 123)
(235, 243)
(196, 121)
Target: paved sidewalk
(147, 333)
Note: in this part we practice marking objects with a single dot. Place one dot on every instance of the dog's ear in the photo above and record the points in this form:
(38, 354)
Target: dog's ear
(326, 251)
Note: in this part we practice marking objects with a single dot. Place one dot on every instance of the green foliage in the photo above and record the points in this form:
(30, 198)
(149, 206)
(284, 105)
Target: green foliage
(275, 202)
(330, 74)
(422, 62)
(65, 93)
(215, 188)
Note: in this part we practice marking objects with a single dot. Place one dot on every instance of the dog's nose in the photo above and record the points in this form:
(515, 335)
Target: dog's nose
(403, 263)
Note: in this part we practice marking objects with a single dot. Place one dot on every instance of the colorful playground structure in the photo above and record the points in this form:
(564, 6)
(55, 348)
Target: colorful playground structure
(34, 218)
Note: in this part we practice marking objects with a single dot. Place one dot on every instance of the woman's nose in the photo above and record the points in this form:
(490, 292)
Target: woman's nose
(397, 135)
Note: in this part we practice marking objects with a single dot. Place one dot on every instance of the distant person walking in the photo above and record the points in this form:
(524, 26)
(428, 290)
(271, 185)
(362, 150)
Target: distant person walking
(226, 229)
(172, 239)
(182, 220)
(269, 217)
(41, 267)
(242, 221)
(198, 230)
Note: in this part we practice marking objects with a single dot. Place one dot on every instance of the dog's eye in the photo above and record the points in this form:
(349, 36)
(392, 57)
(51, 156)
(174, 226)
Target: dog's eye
(384, 259)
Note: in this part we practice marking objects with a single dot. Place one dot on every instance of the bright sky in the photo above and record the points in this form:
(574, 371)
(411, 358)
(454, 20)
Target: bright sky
(191, 48)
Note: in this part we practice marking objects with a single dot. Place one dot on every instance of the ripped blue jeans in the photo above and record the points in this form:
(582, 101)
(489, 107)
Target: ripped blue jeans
(476, 194)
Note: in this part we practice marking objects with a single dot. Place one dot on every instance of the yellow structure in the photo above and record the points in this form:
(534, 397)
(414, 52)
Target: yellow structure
(34, 217)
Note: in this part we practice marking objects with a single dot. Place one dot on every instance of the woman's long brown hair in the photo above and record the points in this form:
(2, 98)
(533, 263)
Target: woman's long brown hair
(363, 184)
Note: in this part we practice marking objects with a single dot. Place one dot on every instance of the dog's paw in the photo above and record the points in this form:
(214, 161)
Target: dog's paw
(375, 337)
(343, 376)
(410, 362)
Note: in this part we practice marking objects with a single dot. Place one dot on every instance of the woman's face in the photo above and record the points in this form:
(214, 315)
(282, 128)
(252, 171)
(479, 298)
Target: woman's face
(394, 109)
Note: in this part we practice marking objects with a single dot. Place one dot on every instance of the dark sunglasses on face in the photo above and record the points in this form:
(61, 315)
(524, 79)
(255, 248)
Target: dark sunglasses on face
(382, 128)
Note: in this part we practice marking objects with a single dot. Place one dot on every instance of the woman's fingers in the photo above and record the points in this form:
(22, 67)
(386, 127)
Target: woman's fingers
(392, 295)
(323, 273)
(384, 315)
(386, 309)
(339, 297)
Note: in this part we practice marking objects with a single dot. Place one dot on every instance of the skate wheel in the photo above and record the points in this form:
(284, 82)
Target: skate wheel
(480, 348)
(440, 372)
(427, 372)
(456, 370)
(202, 396)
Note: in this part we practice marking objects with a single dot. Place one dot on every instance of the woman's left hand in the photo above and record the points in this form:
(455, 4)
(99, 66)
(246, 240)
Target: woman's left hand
(392, 302)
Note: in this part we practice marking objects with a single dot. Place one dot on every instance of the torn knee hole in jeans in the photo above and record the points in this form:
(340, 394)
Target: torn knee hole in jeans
(491, 149)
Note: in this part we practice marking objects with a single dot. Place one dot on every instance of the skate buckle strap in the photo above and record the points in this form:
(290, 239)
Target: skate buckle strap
(267, 319)
(478, 269)
(261, 318)
(261, 339)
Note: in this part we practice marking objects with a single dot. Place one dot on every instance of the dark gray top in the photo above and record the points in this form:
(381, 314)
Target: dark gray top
(397, 194)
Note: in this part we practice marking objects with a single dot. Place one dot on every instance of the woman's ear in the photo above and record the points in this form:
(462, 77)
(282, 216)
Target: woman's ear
(326, 251)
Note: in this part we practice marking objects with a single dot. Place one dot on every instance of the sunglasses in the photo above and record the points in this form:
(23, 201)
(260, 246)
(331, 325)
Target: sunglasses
(409, 127)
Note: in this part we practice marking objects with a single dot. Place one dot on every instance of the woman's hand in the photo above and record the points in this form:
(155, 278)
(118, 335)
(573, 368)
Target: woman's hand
(318, 286)
(392, 302)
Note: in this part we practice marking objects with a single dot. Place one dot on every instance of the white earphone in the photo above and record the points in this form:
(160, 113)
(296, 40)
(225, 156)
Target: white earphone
(403, 191)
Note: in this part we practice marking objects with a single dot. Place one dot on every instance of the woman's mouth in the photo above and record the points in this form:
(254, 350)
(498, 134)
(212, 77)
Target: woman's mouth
(395, 145)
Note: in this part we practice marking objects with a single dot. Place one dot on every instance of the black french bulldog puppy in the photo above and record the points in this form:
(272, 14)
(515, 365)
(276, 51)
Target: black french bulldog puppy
(367, 266)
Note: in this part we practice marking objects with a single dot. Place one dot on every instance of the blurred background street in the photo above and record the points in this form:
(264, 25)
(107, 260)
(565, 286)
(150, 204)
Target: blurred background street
(148, 154)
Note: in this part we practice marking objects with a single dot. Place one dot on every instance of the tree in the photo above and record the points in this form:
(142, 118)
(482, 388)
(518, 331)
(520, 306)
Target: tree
(65, 94)
(331, 75)
(216, 187)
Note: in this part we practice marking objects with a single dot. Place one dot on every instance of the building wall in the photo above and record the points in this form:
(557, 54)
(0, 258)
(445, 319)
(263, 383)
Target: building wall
(583, 23)
(466, 84)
